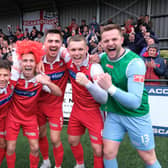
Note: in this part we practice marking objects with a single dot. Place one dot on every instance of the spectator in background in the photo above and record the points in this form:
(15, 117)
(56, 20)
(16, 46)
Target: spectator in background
(65, 34)
(155, 65)
(142, 38)
(83, 24)
(33, 33)
(19, 34)
(85, 31)
(73, 25)
(149, 42)
(131, 42)
(59, 27)
(147, 22)
(128, 26)
(125, 35)
(94, 26)
(26, 34)
(40, 37)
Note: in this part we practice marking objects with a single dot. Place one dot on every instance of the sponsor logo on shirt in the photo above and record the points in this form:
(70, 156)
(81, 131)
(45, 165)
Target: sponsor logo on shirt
(56, 76)
(139, 78)
(72, 74)
(25, 93)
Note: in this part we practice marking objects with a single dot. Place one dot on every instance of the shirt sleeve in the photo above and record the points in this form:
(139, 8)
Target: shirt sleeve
(135, 74)
(46, 89)
(15, 72)
(99, 94)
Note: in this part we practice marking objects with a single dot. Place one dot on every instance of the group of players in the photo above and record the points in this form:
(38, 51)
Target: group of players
(116, 85)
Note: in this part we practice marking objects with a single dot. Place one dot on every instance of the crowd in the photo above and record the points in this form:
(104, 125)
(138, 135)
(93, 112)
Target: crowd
(34, 93)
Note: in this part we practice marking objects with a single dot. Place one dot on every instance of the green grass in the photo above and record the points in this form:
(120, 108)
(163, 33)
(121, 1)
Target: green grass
(127, 157)
(164, 53)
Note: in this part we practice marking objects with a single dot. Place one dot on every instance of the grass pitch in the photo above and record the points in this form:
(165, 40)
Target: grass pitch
(127, 157)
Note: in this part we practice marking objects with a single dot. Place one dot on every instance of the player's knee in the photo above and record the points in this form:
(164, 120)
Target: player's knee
(3, 144)
(55, 140)
(42, 132)
(34, 149)
(97, 151)
(10, 149)
(149, 157)
(109, 154)
(73, 141)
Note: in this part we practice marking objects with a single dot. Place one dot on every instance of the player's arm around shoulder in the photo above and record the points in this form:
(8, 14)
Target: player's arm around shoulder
(48, 85)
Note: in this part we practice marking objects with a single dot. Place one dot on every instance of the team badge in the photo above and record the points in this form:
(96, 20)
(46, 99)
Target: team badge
(109, 66)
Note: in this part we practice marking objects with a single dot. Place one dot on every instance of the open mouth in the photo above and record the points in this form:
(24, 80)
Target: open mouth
(28, 69)
(53, 49)
(77, 58)
(111, 49)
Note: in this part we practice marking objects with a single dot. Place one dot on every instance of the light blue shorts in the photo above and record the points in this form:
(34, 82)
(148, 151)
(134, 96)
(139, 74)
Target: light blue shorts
(139, 130)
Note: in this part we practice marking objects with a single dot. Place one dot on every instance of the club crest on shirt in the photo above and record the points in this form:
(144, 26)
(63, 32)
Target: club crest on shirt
(35, 84)
(12, 87)
(61, 64)
(109, 66)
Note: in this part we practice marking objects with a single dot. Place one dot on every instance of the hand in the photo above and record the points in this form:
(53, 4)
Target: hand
(153, 63)
(40, 67)
(94, 58)
(104, 81)
(147, 64)
(43, 79)
(82, 79)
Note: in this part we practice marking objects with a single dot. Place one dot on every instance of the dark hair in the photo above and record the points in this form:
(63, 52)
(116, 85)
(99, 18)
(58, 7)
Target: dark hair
(5, 64)
(111, 27)
(53, 31)
(153, 46)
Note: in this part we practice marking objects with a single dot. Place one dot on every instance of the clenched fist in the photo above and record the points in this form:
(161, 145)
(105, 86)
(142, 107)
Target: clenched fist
(82, 79)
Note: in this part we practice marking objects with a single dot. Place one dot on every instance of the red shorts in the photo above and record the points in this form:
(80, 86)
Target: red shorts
(30, 129)
(82, 119)
(54, 116)
(2, 127)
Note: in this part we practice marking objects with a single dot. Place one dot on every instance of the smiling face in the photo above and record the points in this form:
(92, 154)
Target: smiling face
(28, 65)
(4, 77)
(52, 44)
(152, 52)
(112, 43)
(78, 51)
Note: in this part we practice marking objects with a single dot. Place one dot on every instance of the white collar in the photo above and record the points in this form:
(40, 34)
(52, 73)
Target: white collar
(4, 90)
(33, 80)
(57, 58)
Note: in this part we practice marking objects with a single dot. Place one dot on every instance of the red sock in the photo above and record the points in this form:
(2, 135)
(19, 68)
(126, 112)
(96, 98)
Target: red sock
(58, 155)
(2, 154)
(43, 144)
(10, 159)
(33, 161)
(78, 153)
(98, 162)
